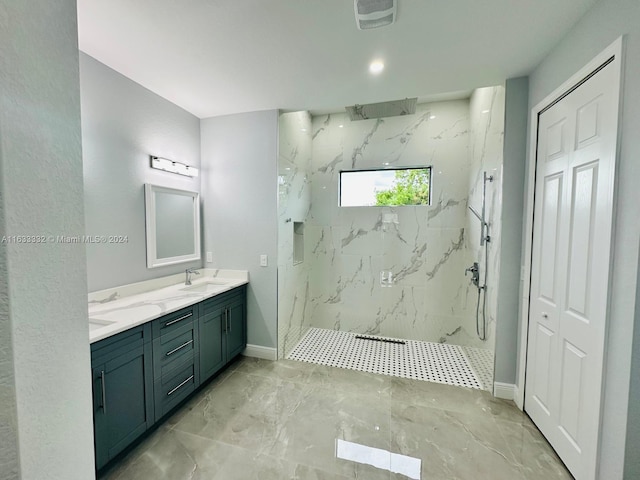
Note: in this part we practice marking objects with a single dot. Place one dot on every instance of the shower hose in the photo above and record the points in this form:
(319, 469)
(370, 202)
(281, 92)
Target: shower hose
(482, 291)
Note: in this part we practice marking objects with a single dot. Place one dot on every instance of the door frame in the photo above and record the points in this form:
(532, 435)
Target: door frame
(615, 50)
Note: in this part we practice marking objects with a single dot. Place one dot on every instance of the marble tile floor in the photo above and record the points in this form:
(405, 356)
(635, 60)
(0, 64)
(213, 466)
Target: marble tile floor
(285, 420)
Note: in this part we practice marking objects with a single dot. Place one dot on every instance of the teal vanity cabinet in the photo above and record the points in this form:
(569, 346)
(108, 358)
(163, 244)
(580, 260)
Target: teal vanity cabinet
(122, 391)
(142, 374)
(222, 330)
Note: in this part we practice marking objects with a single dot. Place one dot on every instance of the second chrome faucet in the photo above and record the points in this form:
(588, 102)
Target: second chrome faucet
(188, 273)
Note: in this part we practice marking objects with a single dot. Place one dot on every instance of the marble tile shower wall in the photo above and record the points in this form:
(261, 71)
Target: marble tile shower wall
(486, 154)
(425, 248)
(294, 196)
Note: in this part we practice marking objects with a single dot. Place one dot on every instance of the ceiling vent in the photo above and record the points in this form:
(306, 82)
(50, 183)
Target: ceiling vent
(382, 109)
(374, 13)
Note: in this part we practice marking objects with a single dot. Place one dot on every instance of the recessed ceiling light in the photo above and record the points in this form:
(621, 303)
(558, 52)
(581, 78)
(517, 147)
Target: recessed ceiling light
(376, 67)
(485, 111)
(340, 126)
(432, 117)
(303, 129)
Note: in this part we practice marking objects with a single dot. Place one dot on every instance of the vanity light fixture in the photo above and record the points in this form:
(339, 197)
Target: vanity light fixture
(173, 167)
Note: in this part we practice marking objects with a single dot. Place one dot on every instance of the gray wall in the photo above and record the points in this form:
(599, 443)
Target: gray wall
(239, 163)
(9, 461)
(606, 21)
(122, 124)
(513, 174)
(43, 287)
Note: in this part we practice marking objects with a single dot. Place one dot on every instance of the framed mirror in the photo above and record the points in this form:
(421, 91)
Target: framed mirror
(173, 225)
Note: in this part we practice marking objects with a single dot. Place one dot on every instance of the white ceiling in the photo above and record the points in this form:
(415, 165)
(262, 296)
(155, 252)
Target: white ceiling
(215, 57)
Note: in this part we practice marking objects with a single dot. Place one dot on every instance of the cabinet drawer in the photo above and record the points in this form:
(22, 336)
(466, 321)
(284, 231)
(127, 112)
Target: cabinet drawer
(222, 300)
(120, 344)
(175, 388)
(169, 351)
(174, 321)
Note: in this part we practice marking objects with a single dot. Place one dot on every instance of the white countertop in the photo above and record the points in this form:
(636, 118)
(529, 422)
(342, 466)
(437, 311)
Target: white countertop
(118, 309)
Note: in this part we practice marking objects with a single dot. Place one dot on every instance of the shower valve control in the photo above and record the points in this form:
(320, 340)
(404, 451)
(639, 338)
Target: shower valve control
(475, 273)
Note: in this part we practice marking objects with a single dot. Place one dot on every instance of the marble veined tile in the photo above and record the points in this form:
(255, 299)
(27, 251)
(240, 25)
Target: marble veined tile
(442, 438)
(282, 420)
(249, 416)
(531, 452)
(423, 246)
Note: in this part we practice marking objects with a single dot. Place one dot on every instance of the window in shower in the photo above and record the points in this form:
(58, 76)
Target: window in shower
(385, 187)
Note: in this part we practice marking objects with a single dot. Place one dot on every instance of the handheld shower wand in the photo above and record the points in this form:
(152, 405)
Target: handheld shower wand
(485, 238)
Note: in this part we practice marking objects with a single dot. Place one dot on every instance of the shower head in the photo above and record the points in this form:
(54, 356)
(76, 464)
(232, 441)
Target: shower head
(382, 109)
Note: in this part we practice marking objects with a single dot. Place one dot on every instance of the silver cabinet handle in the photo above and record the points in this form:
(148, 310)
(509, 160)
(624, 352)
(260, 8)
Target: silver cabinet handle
(180, 386)
(224, 321)
(178, 319)
(179, 348)
(104, 393)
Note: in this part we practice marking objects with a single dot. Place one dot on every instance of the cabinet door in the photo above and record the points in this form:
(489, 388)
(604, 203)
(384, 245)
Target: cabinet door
(100, 425)
(211, 339)
(235, 327)
(122, 401)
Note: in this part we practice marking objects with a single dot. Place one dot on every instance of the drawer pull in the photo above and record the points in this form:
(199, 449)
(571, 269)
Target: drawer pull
(179, 348)
(178, 319)
(180, 386)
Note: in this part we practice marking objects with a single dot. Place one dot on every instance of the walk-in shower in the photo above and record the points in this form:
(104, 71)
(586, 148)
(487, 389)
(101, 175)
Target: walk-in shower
(381, 288)
(474, 270)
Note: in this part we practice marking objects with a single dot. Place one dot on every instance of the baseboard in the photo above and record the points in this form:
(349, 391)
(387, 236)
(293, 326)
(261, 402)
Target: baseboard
(516, 398)
(506, 391)
(258, 351)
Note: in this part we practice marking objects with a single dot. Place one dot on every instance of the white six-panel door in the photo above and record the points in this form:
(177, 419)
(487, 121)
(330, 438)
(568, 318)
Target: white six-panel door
(571, 254)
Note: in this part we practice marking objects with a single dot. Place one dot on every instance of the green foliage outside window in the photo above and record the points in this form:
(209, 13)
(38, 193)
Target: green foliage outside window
(411, 188)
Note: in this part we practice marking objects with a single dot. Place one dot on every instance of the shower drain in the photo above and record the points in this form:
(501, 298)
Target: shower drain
(381, 339)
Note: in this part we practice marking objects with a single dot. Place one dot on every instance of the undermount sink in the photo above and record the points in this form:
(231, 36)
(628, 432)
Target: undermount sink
(96, 323)
(218, 281)
(206, 287)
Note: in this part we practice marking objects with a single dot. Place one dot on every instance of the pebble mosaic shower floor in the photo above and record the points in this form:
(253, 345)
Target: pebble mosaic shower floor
(432, 362)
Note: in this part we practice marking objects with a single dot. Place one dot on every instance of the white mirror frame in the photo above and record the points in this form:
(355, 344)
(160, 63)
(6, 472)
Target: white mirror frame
(150, 213)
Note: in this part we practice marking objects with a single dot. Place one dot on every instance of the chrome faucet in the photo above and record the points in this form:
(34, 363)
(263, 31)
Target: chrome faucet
(188, 273)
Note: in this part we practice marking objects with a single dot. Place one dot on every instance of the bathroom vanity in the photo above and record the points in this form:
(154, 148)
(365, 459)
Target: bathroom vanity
(153, 344)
